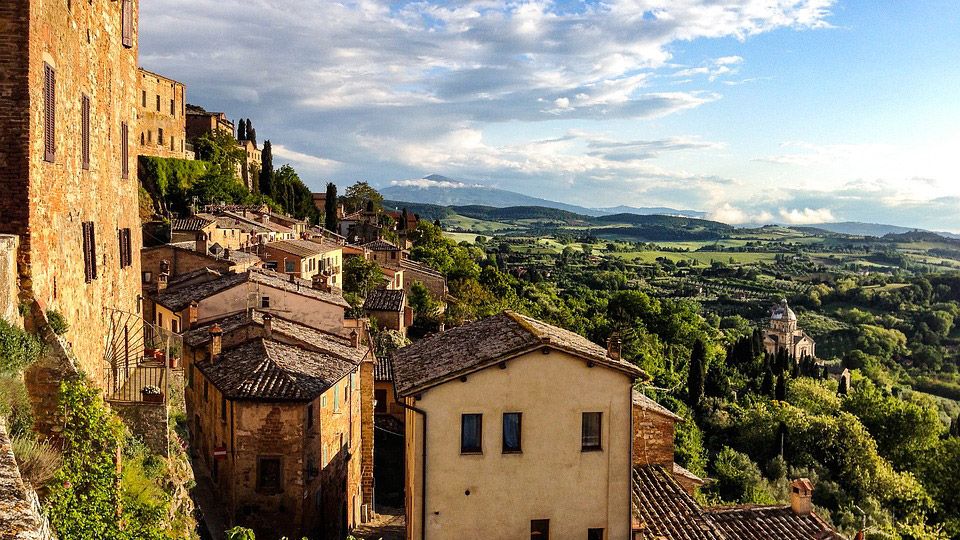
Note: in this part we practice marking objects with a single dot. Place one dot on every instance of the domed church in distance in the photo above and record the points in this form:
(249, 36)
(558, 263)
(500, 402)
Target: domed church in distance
(783, 333)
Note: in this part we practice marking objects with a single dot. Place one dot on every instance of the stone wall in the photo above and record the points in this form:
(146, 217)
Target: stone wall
(161, 106)
(9, 291)
(20, 517)
(44, 376)
(652, 437)
(46, 202)
(147, 421)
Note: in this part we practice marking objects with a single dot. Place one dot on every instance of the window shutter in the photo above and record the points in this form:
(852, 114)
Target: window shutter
(85, 132)
(127, 23)
(126, 253)
(124, 151)
(89, 252)
(49, 113)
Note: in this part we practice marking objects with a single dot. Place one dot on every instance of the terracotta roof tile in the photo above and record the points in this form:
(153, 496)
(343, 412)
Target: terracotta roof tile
(665, 511)
(268, 370)
(480, 343)
(381, 245)
(194, 223)
(178, 298)
(385, 300)
(646, 403)
(765, 522)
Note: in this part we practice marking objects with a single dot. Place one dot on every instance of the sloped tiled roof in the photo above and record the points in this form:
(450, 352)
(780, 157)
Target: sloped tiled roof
(765, 522)
(416, 266)
(665, 511)
(384, 300)
(381, 245)
(382, 372)
(311, 337)
(194, 223)
(268, 370)
(480, 343)
(300, 248)
(178, 298)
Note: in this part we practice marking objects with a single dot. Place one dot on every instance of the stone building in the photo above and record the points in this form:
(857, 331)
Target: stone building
(515, 428)
(654, 427)
(210, 232)
(389, 308)
(162, 116)
(250, 166)
(308, 259)
(783, 333)
(200, 122)
(68, 174)
(275, 415)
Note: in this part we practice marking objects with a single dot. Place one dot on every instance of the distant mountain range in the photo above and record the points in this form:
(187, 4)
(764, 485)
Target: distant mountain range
(443, 191)
(440, 190)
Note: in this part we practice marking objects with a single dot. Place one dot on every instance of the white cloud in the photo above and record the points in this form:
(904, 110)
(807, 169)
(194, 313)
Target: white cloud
(806, 216)
(425, 183)
(283, 152)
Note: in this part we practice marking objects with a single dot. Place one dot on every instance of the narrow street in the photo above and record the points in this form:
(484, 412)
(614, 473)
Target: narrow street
(390, 525)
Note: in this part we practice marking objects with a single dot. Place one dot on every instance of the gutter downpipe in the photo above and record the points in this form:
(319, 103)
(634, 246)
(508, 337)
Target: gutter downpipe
(423, 464)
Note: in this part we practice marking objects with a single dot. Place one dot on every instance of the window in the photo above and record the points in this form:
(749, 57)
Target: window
(126, 253)
(511, 432)
(206, 390)
(147, 277)
(85, 132)
(380, 398)
(471, 433)
(160, 137)
(264, 302)
(124, 151)
(594, 534)
(172, 148)
(158, 102)
(126, 23)
(175, 326)
(89, 252)
(540, 529)
(310, 416)
(143, 100)
(223, 409)
(190, 376)
(269, 474)
(173, 110)
(590, 434)
(49, 113)
(288, 267)
(336, 399)
(323, 401)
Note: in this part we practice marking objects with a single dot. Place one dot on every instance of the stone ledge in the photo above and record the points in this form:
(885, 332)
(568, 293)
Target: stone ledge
(19, 516)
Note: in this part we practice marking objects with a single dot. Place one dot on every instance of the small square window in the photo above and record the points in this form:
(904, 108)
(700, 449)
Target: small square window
(265, 302)
(310, 416)
(471, 434)
(590, 432)
(223, 410)
(594, 534)
(269, 474)
(540, 529)
(380, 398)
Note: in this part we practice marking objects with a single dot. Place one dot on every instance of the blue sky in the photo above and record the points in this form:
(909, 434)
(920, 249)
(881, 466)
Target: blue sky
(755, 111)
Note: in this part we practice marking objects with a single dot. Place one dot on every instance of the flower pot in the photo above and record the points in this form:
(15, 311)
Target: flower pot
(174, 362)
(151, 398)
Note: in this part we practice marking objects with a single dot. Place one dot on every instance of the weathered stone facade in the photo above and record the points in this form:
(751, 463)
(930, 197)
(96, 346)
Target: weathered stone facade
(162, 116)
(52, 182)
(20, 518)
(9, 291)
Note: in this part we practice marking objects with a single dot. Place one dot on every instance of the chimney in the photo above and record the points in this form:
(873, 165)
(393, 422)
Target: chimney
(801, 497)
(613, 346)
(192, 314)
(216, 343)
(201, 245)
(354, 339)
(162, 279)
(267, 326)
(293, 278)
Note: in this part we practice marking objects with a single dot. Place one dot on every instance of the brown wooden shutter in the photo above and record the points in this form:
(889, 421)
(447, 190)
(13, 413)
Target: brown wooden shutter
(126, 253)
(127, 23)
(89, 252)
(124, 151)
(85, 132)
(49, 113)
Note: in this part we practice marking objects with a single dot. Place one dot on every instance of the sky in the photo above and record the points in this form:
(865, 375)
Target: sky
(754, 111)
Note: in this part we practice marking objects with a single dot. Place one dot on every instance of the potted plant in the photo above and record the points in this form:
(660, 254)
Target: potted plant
(151, 394)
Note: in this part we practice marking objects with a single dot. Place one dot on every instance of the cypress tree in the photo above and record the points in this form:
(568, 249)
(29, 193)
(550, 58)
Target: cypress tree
(330, 208)
(403, 220)
(766, 387)
(697, 374)
(251, 132)
(781, 392)
(266, 170)
(955, 426)
(241, 130)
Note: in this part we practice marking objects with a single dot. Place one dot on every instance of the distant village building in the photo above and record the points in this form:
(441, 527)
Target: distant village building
(389, 308)
(161, 111)
(308, 259)
(68, 123)
(211, 232)
(250, 165)
(200, 122)
(514, 429)
(783, 333)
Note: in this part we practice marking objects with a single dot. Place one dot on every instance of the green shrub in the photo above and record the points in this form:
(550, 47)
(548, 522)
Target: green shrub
(15, 405)
(38, 461)
(17, 348)
(58, 323)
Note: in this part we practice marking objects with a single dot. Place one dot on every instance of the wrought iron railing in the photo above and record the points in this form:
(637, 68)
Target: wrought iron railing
(137, 359)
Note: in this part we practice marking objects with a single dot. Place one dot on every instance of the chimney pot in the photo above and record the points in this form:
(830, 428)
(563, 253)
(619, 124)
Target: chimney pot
(216, 343)
(614, 346)
(162, 279)
(801, 497)
(268, 326)
(354, 339)
(193, 313)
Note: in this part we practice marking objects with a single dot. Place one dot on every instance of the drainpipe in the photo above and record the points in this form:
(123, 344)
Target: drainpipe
(423, 463)
(630, 468)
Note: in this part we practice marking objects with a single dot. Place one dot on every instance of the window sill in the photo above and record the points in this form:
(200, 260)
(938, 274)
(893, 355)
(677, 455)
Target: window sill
(512, 452)
(471, 453)
(591, 449)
